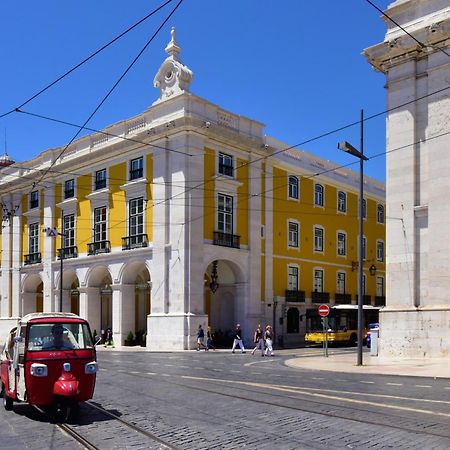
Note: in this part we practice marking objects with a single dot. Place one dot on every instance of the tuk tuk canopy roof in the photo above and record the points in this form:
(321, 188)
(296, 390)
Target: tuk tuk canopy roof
(56, 316)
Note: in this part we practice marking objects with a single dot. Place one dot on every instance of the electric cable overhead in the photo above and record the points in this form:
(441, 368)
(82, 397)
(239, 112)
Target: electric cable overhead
(92, 55)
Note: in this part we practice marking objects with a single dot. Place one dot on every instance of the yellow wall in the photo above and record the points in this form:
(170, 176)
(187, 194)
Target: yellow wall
(84, 220)
(208, 194)
(242, 201)
(117, 220)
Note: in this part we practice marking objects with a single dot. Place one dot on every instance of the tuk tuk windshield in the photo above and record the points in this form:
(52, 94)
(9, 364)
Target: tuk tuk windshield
(59, 336)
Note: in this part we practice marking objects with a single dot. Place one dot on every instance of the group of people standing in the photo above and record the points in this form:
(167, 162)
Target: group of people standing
(263, 340)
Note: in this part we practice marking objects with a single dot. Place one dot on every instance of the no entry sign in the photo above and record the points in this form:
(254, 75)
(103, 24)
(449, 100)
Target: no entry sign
(324, 310)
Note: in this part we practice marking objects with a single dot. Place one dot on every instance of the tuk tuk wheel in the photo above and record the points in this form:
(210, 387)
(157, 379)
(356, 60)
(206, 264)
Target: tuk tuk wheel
(7, 402)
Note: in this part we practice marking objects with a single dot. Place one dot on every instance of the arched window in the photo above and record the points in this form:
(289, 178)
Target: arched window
(342, 202)
(293, 187)
(318, 195)
(293, 321)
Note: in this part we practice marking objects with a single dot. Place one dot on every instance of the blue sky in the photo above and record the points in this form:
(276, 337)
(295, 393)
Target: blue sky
(294, 65)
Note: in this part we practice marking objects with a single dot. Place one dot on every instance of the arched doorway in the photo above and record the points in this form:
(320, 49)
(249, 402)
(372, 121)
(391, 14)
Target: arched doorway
(136, 274)
(71, 294)
(32, 295)
(224, 306)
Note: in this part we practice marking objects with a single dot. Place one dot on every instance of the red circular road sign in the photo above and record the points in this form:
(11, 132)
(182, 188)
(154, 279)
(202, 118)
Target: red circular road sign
(324, 310)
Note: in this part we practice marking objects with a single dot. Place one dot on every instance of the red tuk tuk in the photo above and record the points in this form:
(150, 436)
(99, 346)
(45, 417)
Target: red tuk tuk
(49, 360)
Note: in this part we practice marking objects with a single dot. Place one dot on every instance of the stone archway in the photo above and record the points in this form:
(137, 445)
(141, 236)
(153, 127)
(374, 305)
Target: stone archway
(99, 301)
(32, 295)
(71, 294)
(225, 307)
(136, 285)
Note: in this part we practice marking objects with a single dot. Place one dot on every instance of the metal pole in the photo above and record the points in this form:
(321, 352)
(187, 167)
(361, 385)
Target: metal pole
(361, 235)
(61, 257)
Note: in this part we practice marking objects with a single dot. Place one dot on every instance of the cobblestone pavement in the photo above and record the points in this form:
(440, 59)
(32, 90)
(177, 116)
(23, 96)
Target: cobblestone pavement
(215, 400)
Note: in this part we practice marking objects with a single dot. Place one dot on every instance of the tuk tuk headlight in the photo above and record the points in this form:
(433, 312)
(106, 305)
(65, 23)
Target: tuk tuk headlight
(90, 367)
(39, 370)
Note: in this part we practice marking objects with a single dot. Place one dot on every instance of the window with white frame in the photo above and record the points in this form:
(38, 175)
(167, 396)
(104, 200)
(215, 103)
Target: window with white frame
(136, 217)
(100, 179)
(342, 202)
(293, 231)
(225, 213)
(341, 244)
(318, 239)
(364, 209)
(293, 187)
(340, 282)
(136, 168)
(380, 251)
(318, 195)
(33, 238)
(380, 287)
(380, 213)
(293, 278)
(34, 199)
(363, 247)
(225, 164)
(318, 280)
(69, 231)
(69, 188)
(100, 224)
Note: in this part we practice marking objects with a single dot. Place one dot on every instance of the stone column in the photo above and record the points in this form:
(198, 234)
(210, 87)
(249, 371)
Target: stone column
(16, 260)
(90, 306)
(51, 301)
(123, 298)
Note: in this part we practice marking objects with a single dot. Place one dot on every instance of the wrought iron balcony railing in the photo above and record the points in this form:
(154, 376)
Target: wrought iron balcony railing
(34, 203)
(33, 258)
(100, 184)
(380, 300)
(342, 298)
(367, 299)
(295, 296)
(226, 169)
(68, 252)
(136, 173)
(226, 239)
(136, 241)
(94, 248)
(320, 297)
(69, 193)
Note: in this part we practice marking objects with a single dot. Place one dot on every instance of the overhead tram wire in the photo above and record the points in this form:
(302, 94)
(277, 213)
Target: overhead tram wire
(421, 44)
(92, 55)
(113, 87)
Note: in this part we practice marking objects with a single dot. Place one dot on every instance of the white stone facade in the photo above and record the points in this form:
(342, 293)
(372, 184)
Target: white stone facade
(416, 320)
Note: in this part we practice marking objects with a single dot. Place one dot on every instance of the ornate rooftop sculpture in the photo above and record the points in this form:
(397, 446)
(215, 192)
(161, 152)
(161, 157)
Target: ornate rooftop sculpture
(173, 77)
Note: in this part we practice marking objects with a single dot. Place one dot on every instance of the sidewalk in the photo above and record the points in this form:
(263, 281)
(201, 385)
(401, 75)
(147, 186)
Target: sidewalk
(346, 363)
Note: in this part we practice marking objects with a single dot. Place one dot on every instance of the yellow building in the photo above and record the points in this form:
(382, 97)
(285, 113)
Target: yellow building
(186, 214)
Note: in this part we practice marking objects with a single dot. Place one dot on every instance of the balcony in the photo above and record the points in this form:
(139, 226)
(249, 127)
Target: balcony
(225, 169)
(380, 300)
(320, 297)
(68, 252)
(136, 241)
(226, 239)
(136, 173)
(95, 248)
(69, 193)
(342, 299)
(295, 296)
(367, 299)
(33, 258)
(100, 184)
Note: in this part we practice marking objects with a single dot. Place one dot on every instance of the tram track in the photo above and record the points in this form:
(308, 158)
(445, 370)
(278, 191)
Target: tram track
(324, 408)
(79, 432)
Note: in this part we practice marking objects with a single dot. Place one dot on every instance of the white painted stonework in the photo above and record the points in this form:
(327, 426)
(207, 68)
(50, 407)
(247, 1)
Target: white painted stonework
(416, 320)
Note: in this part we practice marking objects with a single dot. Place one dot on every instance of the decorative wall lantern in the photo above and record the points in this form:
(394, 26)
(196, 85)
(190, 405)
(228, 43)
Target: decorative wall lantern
(214, 285)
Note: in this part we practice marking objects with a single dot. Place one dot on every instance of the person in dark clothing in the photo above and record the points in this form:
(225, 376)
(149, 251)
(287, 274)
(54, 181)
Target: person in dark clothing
(201, 339)
(238, 339)
(258, 339)
(209, 339)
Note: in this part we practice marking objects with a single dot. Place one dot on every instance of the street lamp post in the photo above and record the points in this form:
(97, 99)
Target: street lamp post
(359, 154)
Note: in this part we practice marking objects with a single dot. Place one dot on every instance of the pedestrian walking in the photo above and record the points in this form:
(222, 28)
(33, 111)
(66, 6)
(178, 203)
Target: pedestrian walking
(258, 339)
(268, 337)
(201, 339)
(238, 339)
(209, 339)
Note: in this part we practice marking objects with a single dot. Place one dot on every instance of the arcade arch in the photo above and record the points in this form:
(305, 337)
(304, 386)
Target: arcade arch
(32, 294)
